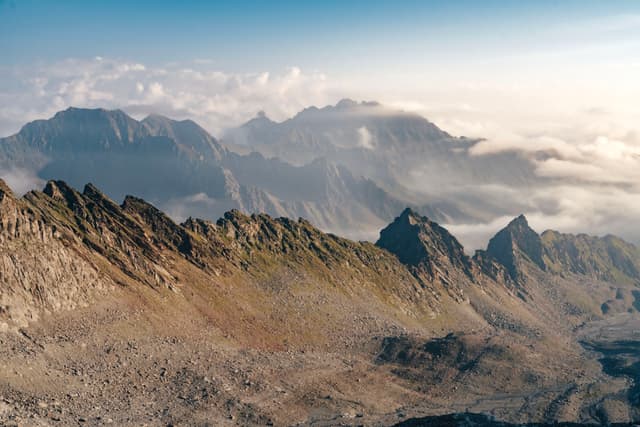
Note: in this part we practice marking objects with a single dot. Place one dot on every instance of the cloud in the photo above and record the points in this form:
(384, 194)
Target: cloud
(21, 180)
(213, 98)
(505, 141)
(365, 138)
(586, 156)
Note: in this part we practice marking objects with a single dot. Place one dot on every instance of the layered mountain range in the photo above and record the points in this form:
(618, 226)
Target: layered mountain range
(348, 168)
(402, 152)
(181, 168)
(200, 300)
(115, 313)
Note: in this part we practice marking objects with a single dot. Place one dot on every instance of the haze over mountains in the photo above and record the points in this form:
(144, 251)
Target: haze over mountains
(180, 167)
(349, 168)
(403, 152)
(251, 319)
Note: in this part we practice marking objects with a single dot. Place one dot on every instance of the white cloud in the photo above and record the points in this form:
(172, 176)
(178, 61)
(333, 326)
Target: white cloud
(365, 138)
(586, 154)
(21, 180)
(213, 98)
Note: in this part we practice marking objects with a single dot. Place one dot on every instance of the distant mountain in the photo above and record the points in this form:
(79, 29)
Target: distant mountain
(402, 152)
(608, 258)
(181, 168)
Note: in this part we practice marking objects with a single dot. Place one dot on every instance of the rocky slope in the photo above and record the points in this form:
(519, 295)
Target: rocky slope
(609, 258)
(114, 313)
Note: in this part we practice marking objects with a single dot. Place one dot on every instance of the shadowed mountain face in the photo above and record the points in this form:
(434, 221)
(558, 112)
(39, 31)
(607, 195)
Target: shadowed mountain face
(115, 312)
(606, 258)
(516, 241)
(184, 170)
(425, 247)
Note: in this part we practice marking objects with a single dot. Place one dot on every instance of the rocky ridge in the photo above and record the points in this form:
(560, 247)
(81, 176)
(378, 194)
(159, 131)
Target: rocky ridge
(253, 319)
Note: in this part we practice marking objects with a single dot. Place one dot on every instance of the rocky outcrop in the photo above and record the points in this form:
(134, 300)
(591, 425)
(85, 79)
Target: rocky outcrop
(516, 243)
(429, 251)
(40, 271)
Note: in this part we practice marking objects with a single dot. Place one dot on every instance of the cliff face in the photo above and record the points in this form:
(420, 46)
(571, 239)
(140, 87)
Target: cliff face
(40, 269)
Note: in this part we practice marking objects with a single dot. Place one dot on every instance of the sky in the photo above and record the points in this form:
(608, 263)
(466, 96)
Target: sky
(525, 75)
(453, 60)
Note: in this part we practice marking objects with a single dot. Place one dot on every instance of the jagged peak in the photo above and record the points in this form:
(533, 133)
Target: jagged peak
(233, 216)
(235, 213)
(52, 189)
(138, 206)
(159, 222)
(198, 225)
(5, 191)
(513, 240)
(420, 242)
(92, 191)
(411, 216)
(133, 203)
(58, 189)
(519, 221)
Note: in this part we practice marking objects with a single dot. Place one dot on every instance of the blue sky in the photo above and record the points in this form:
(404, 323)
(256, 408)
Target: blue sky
(335, 36)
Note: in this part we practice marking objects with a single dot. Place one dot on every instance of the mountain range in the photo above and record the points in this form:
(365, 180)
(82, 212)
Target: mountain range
(348, 168)
(114, 313)
(402, 152)
(204, 282)
(187, 172)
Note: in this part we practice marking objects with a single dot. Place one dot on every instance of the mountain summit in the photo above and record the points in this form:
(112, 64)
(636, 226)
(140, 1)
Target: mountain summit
(515, 242)
(428, 249)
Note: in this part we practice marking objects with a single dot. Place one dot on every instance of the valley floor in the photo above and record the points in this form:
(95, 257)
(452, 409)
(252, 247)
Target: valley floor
(118, 363)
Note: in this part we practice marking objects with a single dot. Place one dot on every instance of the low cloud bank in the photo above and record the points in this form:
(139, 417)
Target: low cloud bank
(586, 165)
(21, 180)
(214, 99)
